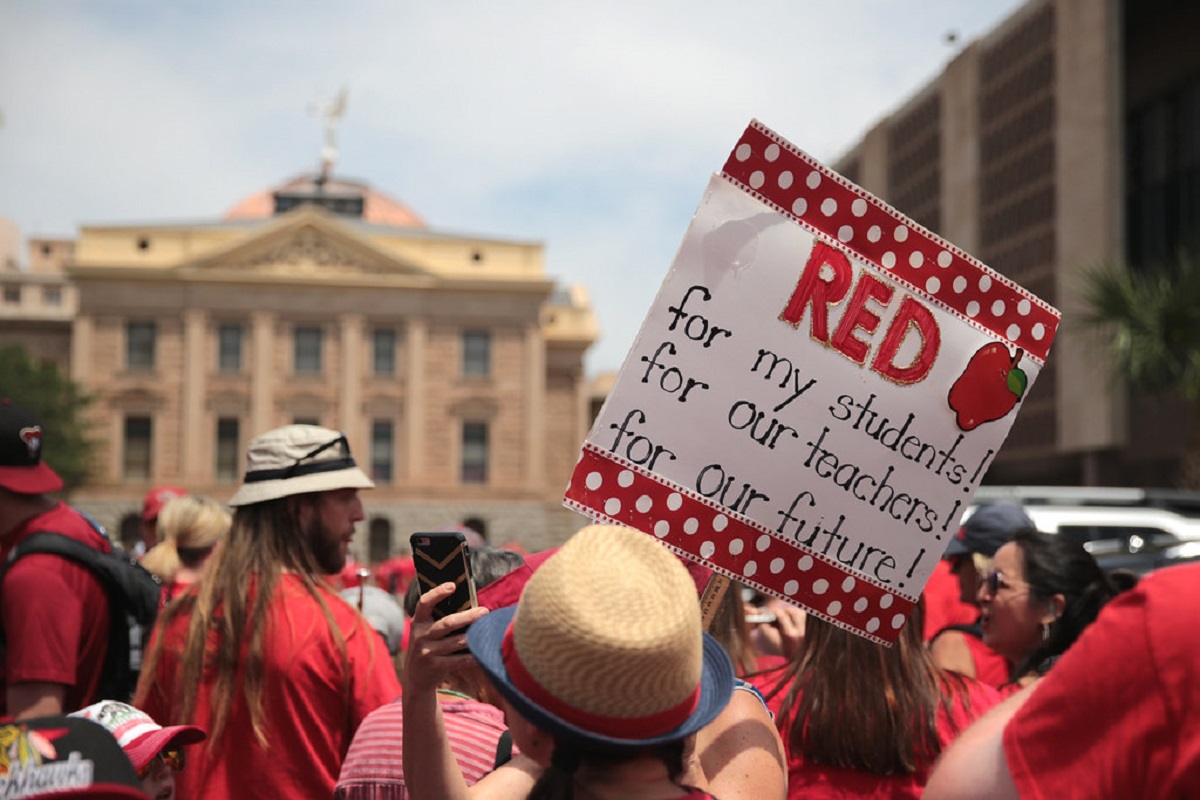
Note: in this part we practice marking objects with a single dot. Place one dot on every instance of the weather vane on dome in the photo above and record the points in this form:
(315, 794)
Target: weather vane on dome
(331, 112)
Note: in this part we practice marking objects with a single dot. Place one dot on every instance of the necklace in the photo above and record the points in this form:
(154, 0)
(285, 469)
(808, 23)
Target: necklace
(455, 694)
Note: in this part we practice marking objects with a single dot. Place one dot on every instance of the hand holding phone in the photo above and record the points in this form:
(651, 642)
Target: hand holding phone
(436, 648)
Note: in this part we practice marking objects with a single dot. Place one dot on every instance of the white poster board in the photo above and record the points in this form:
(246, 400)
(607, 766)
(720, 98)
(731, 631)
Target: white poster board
(815, 393)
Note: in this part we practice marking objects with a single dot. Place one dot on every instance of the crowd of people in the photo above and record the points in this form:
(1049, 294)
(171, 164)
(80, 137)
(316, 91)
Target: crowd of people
(586, 671)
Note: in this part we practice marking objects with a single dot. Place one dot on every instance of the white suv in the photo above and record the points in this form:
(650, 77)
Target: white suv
(1137, 529)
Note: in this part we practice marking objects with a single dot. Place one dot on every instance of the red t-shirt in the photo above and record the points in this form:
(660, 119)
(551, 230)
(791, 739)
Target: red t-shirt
(943, 604)
(312, 704)
(770, 678)
(1119, 715)
(54, 613)
(991, 668)
(172, 589)
(820, 782)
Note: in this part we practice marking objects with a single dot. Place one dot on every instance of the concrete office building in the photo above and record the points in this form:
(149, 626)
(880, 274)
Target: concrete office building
(1067, 136)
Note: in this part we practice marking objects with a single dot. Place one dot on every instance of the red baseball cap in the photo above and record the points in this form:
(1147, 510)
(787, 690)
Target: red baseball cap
(156, 498)
(21, 467)
(138, 734)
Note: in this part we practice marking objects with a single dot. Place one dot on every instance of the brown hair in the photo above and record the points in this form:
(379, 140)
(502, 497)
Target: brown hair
(729, 628)
(856, 704)
(233, 598)
(558, 781)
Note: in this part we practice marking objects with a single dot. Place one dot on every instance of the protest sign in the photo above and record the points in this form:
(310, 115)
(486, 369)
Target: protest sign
(815, 393)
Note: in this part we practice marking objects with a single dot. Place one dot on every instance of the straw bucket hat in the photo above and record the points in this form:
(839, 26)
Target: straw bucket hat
(605, 647)
(297, 459)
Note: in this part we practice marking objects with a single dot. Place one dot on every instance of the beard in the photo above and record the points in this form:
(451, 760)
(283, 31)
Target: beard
(326, 547)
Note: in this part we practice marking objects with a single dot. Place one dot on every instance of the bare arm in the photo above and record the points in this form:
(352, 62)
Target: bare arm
(950, 652)
(974, 768)
(741, 754)
(514, 779)
(430, 769)
(27, 700)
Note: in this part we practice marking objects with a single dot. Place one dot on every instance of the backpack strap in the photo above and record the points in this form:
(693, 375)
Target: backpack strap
(504, 748)
(55, 544)
(134, 596)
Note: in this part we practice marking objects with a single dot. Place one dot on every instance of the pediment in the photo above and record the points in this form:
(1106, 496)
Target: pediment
(305, 242)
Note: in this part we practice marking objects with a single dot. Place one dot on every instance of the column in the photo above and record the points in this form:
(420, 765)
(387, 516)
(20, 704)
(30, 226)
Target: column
(1089, 230)
(535, 408)
(262, 374)
(81, 349)
(416, 338)
(350, 334)
(195, 437)
(959, 88)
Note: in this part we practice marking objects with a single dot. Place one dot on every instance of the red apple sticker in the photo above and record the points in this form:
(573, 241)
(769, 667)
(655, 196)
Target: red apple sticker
(989, 387)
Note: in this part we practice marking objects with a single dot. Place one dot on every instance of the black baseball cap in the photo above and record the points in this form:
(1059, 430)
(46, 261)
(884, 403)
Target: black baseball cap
(61, 757)
(988, 529)
(21, 467)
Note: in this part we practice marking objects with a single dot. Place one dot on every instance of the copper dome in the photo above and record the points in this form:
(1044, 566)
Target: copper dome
(378, 208)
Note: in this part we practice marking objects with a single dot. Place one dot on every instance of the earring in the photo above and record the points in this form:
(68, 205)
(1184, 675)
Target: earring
(1045, 631)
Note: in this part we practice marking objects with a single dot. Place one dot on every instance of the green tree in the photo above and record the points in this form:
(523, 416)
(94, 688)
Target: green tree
(58, 402)
(1151, 318)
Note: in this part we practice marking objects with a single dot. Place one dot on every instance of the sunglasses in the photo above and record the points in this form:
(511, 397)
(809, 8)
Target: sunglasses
(995, 582)
(172, 757)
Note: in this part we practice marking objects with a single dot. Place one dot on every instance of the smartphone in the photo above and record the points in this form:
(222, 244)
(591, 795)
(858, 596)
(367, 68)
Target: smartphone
(442, 557)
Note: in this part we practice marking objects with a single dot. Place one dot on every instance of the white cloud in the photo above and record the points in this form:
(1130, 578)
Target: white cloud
(590, 127)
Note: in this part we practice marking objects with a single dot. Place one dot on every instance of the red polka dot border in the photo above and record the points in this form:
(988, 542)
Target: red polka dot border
(770, 168)
(610, 489)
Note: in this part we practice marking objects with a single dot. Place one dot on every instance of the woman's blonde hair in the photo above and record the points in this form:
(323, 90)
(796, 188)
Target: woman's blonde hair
(190, 526)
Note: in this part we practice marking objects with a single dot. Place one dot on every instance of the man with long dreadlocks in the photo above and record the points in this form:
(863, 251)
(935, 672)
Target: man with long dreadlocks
(262, 654)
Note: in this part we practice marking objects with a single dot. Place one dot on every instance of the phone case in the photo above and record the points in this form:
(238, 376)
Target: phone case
(442, 557)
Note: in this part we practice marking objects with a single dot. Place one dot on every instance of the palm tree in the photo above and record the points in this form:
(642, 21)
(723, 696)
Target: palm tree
(1152, 318)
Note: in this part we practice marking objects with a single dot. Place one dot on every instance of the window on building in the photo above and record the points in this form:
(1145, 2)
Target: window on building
(137, 446)
(139, 345)
(1162, 180)
(383, 351)
(227, 449)
(12, 295)
(229, 347)
(383, 446)
(477, 353)
(474, 452)
(52, 296)
(379, 541)
(307, 359)
(305, 421)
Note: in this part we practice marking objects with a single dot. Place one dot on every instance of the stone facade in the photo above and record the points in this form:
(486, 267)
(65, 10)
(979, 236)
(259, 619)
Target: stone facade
(196, 338)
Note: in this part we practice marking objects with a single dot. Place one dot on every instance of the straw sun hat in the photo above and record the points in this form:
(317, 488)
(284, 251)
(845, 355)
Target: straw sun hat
(297, 459)
(605, 646)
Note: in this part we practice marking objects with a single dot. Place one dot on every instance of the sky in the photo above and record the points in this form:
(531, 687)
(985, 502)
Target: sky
(592, 128)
